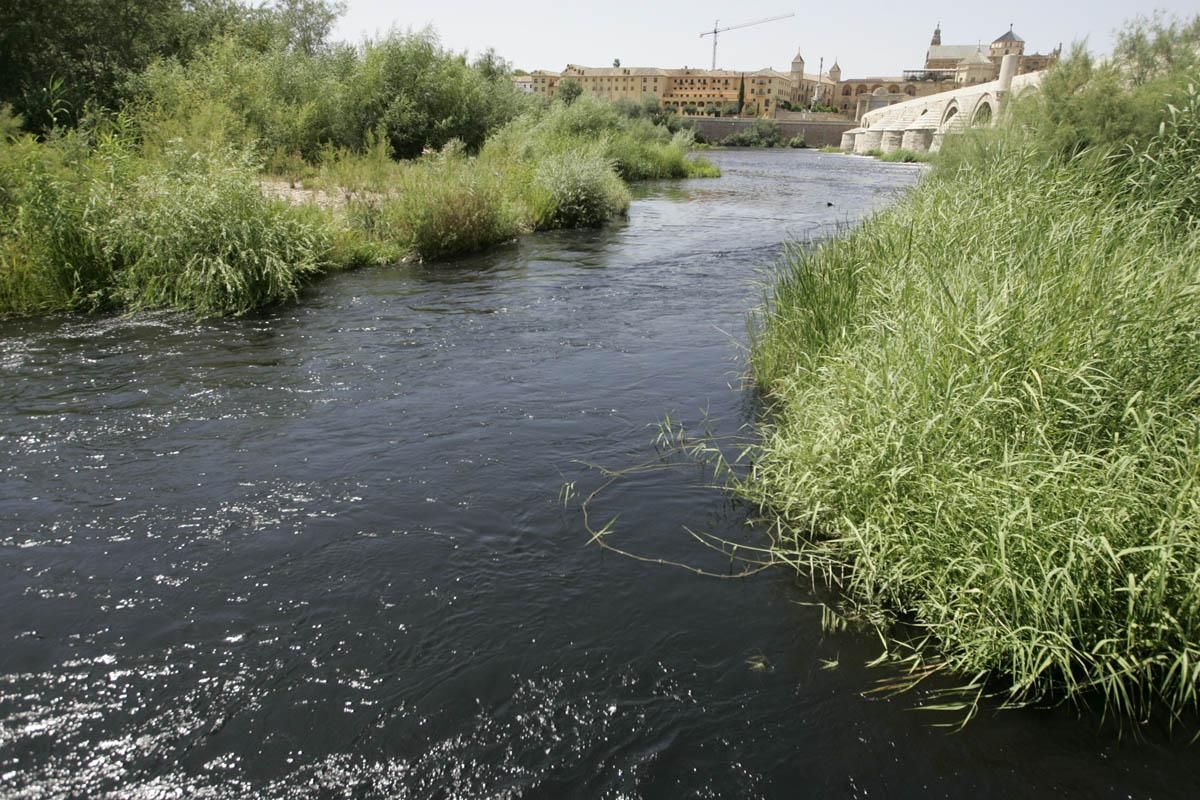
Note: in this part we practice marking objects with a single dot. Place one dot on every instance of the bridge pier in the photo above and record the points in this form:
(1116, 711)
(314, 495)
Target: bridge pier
(891, 140)
(848, 139)
(918, 140)
(867, 141)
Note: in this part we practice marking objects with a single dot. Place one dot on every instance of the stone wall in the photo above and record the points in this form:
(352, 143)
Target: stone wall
(816, 133)
(807, 116)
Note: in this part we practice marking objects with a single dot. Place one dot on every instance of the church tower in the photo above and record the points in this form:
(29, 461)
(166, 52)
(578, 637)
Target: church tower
(798, 65)
(798, 88)
(835, 72)
(936, 41)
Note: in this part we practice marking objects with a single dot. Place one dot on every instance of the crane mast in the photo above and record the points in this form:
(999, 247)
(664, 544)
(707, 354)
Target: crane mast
(717, 29)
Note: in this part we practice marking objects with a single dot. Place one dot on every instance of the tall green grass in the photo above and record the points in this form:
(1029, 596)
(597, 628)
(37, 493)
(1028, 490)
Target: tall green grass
(906, 157)
(196, 233)
(90, 225)
(985, 410)
(439, 207)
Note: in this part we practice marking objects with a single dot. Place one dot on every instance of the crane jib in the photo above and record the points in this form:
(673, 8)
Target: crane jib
(717, 29)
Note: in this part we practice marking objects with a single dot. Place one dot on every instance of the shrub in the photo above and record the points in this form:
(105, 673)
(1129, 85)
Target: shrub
(763, 133)
(438, 207)
(10, 123)
(403, 87)
(197, 234)
(905, 157)
(56, 203)
(797, 142)
(577, 188)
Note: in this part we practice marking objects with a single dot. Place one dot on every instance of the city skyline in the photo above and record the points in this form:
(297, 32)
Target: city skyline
(866, 39)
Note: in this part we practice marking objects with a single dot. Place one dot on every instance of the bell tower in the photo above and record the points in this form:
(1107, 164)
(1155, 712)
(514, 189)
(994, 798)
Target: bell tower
(798, 65)
(798, 93)
(937, 36)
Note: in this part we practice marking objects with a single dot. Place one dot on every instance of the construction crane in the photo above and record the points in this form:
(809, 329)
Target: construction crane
(716, 29)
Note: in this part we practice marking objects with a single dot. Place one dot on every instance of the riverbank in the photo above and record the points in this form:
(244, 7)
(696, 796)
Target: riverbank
(982, 404)
(99, 220)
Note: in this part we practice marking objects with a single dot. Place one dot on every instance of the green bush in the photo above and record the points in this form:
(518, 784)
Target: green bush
(87, 227)
(905, 157)
(576, 188)
(197, 234)
(404, 87)
(432, 208)
(56, 205)
(797, 142)
(763, 133)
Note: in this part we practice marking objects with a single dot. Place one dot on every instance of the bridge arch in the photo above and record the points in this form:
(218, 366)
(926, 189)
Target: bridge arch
(948, 116)
(983, 114)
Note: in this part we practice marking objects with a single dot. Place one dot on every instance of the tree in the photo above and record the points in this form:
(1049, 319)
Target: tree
(568, 90)
(1152, 46)
(616, 62)
(58, 57)
(741, 101)
(304, 25)
(492, 67)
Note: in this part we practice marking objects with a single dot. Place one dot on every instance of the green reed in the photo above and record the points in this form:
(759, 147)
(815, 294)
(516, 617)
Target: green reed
(985, 417)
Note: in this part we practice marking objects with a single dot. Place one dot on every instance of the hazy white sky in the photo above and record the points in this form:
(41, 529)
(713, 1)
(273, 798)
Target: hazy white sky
(867, 37)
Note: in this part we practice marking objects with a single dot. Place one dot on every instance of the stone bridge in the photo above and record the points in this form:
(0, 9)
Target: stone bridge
(920, 125)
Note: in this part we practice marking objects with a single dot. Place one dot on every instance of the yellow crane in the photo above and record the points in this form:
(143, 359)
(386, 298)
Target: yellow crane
(717, 29)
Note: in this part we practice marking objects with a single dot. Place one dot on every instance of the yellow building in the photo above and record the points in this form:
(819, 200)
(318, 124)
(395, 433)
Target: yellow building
(691, 90)
(699, 91)
(685, 89)
(542, 83)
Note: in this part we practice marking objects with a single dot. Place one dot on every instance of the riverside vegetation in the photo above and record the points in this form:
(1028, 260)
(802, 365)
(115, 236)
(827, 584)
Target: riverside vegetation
(985, 401)
(142, 185)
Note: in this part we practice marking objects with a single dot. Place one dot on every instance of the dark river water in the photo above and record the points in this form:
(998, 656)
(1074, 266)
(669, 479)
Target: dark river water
(321, 551)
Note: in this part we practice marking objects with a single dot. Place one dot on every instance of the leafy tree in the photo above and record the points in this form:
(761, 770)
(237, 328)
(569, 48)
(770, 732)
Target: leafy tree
(59, 57)
(303, 25)
(56, 56)
(568, 90)
(492, 67)
(741, 101)
(616, 62)
(1150, 47)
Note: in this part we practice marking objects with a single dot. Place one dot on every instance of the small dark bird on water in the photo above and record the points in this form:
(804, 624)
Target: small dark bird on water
(828, 204)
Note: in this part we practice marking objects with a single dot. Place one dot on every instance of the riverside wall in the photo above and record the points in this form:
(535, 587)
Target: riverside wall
(817, 133)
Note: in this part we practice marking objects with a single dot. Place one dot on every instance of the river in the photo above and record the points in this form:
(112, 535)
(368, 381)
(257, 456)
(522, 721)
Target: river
(321, 551)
